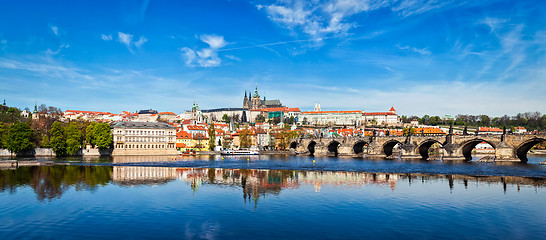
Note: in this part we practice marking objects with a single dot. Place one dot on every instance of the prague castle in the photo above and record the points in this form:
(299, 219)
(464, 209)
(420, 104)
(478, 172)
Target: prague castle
(254, 102)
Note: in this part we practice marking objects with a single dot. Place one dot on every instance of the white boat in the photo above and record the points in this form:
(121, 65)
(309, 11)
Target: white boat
(238, 152)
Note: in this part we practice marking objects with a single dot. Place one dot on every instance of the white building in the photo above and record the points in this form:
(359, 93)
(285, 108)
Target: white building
(381, 118)
(144, 138)
(331, 118)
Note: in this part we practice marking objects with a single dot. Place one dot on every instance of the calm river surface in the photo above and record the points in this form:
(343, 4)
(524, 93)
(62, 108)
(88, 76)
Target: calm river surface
(273, 197)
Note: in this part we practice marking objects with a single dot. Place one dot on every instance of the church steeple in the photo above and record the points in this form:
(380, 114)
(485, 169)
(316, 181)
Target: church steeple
(245, 101)
(4, 102)
(256, 95)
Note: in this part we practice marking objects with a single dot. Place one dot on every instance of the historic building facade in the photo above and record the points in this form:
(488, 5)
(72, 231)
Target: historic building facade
(144, 138)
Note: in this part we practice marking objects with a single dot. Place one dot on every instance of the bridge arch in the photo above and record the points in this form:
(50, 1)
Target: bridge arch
(522, 149)
(389, 146)
(424, 146)
(469, 145)
(294, 145)
(311, 147)
(333, 147)
(358, 147)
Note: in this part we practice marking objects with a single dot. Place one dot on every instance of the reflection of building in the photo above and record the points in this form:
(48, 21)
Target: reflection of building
(143, 175)
(144, 138)
(257, 183)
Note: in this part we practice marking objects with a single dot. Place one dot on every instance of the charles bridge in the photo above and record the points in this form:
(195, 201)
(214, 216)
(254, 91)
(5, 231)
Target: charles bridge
(508, 147)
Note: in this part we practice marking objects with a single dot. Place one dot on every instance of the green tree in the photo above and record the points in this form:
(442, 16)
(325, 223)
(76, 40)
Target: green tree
(19, 138)
(407, 130)
(102, 135)
(45, 141)
(212, 137)
(58, 139)
(260, 118)
(89, 133)
(73, 139)
(3, 135)
(225, 118)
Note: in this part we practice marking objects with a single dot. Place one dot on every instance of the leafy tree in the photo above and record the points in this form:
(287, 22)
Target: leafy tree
(58, 139)
(19, 138)
(408, 130)
(102, 135)
(3, 135)
(260, 118)
(90, 133)
(245, 136)
(45, 141)
(73, 139)
(225, 118)
(212, 137)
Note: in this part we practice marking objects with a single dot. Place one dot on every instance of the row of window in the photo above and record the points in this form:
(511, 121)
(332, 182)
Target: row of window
(144, 146)
(147, 132)
(148, 139)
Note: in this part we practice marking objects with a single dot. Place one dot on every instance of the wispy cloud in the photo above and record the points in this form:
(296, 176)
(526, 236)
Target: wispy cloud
(127, 40)
(422, 51)
(106, 37)
(321, 18)
(493, 23)
(55, 30)
(205, 57)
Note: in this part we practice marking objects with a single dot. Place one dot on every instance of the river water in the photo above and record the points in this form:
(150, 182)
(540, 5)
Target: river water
(270, 197)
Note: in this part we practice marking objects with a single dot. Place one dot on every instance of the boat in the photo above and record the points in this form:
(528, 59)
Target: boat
(239, 152)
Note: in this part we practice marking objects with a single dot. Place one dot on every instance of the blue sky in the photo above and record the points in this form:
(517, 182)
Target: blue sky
(422, 57)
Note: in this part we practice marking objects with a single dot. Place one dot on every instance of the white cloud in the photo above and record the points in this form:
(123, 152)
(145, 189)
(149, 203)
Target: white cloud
(205, 57)
(140, 41)
(55, 30)
(493, 23)
(106, 37)
(422, 51)
(127, 40)
(321, 18)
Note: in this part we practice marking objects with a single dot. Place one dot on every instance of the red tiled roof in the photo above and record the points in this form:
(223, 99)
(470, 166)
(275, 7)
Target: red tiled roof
(319, 112)
(166, 113)
(87, 112)
(489, 129)
(196, 127)
(392, 109)
(183, 135)
(429, 131)
(180, 145)
(377, 113)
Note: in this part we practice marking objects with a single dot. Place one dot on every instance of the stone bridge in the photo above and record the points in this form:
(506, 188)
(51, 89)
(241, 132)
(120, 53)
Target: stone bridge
(508, 147)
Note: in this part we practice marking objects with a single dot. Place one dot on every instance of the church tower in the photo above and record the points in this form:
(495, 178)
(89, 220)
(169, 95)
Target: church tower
(317, 107)
(245, 101)
(256, 99)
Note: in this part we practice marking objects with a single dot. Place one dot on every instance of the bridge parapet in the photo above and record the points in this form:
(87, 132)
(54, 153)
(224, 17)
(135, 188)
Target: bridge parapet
(508, 147)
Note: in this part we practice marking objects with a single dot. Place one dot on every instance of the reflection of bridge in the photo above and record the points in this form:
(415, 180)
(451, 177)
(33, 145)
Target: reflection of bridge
(508, 147)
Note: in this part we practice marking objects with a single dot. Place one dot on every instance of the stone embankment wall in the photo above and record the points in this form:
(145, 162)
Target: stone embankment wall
(48, 152)
(37, 152)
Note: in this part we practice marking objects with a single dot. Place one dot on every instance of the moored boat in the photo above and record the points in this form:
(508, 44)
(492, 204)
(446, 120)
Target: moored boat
(239, 152)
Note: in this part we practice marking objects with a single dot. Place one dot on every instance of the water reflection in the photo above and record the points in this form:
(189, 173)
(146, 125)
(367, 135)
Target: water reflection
(51, 182)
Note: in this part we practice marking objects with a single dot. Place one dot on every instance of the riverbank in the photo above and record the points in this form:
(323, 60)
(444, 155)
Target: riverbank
(9, 164)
